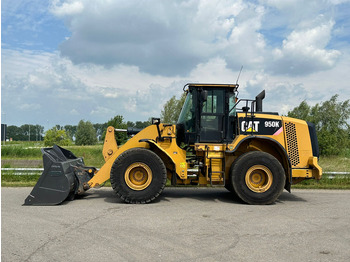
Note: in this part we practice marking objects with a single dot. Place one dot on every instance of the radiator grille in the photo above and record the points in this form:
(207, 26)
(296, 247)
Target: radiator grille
(292, 144)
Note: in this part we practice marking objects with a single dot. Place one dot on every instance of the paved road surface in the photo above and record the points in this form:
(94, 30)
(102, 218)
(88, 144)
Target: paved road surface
(183, 225)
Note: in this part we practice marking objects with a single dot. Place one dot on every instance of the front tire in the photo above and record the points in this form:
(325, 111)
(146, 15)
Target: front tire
(258, 178)
(138, 176)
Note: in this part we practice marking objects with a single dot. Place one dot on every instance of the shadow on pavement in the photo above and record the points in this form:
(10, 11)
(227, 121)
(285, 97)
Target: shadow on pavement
(201, 194)
(290, 197)
(172, 193)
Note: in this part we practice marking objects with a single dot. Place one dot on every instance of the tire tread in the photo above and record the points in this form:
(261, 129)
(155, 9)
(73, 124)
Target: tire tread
(116, 168)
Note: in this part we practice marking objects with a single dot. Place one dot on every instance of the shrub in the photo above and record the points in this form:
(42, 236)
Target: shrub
(58, 137)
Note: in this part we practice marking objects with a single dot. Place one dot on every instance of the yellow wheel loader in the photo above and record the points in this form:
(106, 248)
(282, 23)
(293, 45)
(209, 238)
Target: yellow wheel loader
(219, 140)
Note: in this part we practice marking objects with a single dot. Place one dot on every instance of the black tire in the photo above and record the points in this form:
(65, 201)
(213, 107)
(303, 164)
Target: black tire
(258, 178)
(138, 176)
(229, 186)
(228, 183)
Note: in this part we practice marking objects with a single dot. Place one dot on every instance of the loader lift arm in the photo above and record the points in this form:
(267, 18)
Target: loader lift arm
(66, 175)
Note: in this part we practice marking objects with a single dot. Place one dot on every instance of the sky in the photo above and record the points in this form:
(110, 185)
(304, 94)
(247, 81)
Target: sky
(63, 61)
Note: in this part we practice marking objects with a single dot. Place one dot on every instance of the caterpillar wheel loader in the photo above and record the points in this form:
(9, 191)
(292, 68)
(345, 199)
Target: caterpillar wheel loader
(219, 140)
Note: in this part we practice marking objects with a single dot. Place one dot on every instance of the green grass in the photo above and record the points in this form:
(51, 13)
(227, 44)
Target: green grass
(335, 163)
(330, 164)
(19, 151)
(19, 181)
(327, 182)
(92, 154)
(24, 143)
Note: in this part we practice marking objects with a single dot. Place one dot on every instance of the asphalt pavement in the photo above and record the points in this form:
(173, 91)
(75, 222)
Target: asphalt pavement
(184, 224)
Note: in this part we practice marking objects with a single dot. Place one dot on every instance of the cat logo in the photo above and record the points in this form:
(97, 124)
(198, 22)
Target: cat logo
(250, 126)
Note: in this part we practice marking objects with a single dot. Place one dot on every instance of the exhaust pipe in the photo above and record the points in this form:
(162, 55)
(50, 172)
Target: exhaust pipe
(259, 98)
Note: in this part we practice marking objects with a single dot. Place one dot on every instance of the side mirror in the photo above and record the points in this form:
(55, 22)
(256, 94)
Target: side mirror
(155, 121)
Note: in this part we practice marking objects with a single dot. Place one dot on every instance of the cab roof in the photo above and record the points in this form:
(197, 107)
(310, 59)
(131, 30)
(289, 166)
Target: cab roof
(234, 86)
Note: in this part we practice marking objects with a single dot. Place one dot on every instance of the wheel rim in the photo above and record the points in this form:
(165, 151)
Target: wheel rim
(138, 176)
(258, 178)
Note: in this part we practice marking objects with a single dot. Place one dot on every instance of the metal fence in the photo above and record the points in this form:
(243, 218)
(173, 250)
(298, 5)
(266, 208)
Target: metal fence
(21, 171)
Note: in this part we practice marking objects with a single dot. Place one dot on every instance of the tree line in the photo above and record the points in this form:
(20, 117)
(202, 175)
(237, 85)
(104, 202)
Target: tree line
(331, 119)
(85, 133)
(25, 133)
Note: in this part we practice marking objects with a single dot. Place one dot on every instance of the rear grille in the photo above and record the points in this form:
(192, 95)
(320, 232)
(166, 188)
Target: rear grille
(292, 144)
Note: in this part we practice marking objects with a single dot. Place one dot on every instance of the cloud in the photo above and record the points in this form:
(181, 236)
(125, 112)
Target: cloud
(21, 62)
(101, 110)
(129, 59)
(304, 51)
(66, 8)
(171, 38)
(164, 38)
(74, 112)
(29, 107)
(214, 71)
(57, 89)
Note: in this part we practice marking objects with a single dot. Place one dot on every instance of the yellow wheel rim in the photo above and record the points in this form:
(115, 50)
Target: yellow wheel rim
(258, 178)
(138, 176)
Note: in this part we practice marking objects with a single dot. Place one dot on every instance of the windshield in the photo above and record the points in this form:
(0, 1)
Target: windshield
(186, 115)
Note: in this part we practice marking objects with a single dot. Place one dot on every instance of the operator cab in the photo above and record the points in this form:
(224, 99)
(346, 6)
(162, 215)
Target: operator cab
(208, 114)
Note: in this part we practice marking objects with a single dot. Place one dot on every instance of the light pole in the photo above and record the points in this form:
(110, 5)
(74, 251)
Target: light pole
(4, 131)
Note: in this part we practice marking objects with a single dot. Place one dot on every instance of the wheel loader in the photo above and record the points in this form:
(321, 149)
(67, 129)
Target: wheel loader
(219, 141)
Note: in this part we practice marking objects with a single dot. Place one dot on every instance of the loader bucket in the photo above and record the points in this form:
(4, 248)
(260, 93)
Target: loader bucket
(58, 181)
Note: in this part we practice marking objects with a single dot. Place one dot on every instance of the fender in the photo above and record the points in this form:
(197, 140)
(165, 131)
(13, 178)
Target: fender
(169, 162)
(153, 143)
(279, 146)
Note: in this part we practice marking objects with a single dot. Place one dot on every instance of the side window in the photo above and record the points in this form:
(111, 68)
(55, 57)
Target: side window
(214, 103)
(212, 116)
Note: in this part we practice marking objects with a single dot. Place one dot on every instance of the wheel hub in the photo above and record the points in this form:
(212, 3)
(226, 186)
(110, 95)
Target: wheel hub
(258, 178)
(138, 176)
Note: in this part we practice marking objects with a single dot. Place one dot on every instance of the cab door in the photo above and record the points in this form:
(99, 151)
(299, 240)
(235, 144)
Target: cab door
(212, 120)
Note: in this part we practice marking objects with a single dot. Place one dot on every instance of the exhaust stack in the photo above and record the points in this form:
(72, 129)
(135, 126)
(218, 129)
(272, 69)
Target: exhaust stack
(259, 98)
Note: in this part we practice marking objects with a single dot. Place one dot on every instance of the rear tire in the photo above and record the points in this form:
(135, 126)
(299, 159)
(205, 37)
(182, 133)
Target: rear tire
(138, 176)
(258, 178)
